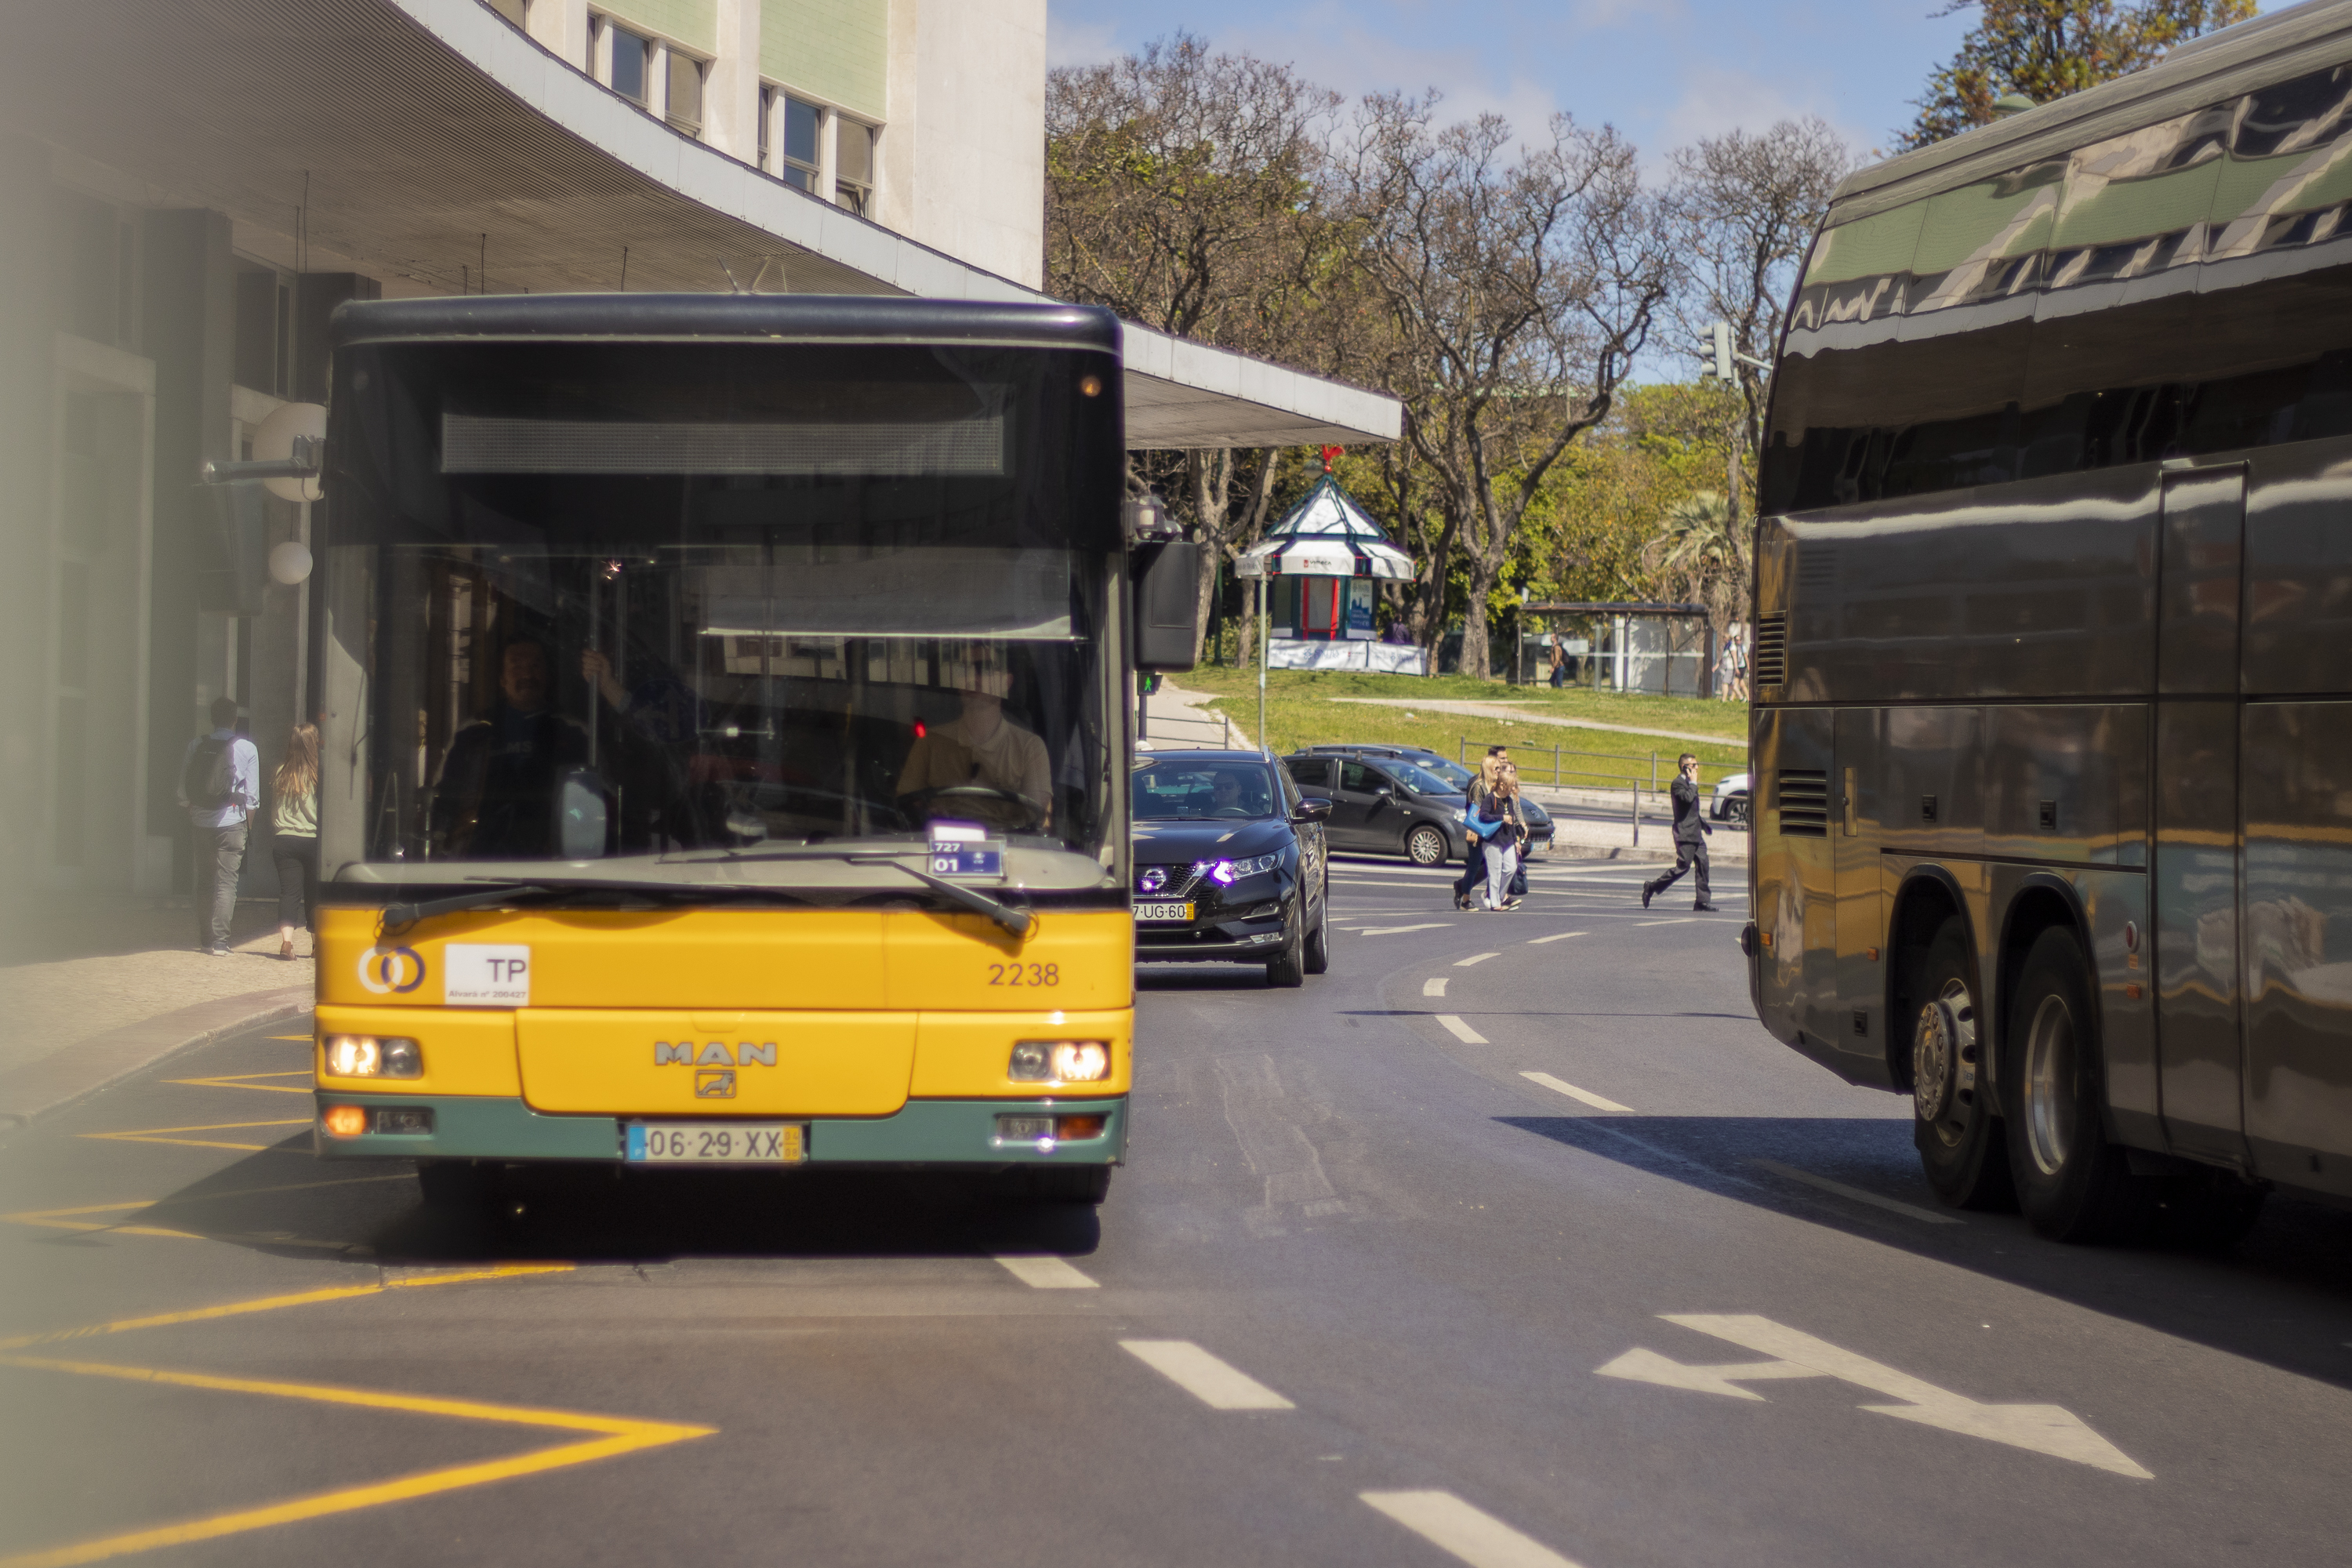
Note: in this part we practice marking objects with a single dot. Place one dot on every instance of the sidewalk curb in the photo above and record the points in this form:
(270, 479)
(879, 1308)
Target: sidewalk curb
(81, 1070)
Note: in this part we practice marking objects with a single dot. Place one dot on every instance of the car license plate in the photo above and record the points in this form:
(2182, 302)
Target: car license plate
(1163, 911)
(717, 1142)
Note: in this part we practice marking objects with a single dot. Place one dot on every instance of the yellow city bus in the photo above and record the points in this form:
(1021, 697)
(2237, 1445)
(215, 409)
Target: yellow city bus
(724, 737)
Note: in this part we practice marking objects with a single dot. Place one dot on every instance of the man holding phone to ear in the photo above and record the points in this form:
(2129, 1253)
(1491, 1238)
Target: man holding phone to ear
(1690, 842)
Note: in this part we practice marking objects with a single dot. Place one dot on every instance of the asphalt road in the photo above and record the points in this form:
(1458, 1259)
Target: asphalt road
(1351, 1303)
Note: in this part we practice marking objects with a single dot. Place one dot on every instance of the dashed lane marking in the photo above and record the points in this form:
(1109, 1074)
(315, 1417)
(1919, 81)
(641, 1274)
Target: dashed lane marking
(1858, 1194)
(1215, 1382)
(158, 1134)
(1434, 987)
(246, 1080)
(1471, 1534)
(1674, 920)
(612, 1436)
(1460, 1030)
(1039, 1272)
(1395, 931)
(1475, 958)
(1598, 1102)
(1555, 936)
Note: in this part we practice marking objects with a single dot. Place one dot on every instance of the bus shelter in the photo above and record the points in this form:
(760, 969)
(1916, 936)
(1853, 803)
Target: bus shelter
(1622, 646)
(1317, 569)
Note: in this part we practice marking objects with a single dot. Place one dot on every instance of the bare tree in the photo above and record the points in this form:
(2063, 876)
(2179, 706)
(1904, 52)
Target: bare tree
(1518, 285)
(1181, 191)
(1743, 210)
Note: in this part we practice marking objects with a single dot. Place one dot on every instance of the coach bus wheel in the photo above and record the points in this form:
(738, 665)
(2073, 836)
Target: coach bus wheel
(2073, 1184)
(1426, 846)
(457, 1186)
(1318, 944)
(1957, 1135)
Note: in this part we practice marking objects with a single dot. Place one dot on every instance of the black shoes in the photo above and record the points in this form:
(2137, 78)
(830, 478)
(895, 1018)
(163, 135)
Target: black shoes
(1702, 908)
(1649, 891)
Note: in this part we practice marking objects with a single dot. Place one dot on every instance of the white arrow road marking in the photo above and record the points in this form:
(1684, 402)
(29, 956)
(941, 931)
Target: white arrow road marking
(1434, 987)
(1570, 1089)
(2041, 1428)
(1395, 930)
(1215, 1384)
(1471, 1534)
(1460, 1030)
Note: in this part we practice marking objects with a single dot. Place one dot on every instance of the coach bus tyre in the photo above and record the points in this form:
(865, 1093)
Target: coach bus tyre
(1953, 1125)
(2073, 1184)
(1289, 970)
(1319, 945)
(1426, 846)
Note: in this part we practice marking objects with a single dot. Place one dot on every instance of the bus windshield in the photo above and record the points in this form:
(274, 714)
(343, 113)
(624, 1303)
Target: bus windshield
(667, 602)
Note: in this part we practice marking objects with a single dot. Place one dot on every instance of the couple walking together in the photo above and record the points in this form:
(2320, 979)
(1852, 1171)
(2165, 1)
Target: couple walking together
(220, 786)
(1499, 833)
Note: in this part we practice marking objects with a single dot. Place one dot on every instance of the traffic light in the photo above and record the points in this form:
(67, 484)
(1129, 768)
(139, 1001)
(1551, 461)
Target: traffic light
(1721, 369)
(1147, 683)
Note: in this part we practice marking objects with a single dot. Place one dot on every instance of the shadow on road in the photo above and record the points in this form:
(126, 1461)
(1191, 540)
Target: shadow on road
(1200, 977)
(2283, 1296)
(295, 1207)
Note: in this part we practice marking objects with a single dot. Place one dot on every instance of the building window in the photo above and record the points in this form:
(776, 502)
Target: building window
(683, 108)
(516, 12)
(767, 96)
(801, 122)
(853, 164)
(626, 72)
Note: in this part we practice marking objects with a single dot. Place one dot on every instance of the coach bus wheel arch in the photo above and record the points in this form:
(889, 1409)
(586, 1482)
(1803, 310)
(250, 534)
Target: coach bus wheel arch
(1954, 1125)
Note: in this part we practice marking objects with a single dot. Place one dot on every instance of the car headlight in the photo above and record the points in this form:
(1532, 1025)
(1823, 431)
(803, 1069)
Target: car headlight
(1225, 873)
(367, 1055)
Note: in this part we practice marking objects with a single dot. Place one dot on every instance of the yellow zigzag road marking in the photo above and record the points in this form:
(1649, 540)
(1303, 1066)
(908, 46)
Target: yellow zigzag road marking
(273, 1303)
(244, 1080)
(155, 1134)
(615, 1436)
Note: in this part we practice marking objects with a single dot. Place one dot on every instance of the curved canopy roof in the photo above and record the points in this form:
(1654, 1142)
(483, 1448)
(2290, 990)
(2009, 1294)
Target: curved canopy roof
(1327, 535)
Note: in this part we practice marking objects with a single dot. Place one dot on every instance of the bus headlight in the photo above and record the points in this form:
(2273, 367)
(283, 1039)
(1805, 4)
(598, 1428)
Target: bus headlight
(1059, 1062)
(368, 1056)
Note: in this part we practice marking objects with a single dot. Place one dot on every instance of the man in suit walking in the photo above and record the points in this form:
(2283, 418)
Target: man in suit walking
(1690, 836)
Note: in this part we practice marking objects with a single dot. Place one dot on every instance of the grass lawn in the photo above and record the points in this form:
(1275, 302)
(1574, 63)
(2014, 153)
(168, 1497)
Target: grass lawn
(1300, 710)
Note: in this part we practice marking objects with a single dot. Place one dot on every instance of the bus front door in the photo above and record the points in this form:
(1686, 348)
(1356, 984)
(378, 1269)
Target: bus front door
(2195, 786)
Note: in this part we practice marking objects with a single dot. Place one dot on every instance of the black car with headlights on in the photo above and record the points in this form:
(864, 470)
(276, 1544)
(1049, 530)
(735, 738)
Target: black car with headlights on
(1229, 865)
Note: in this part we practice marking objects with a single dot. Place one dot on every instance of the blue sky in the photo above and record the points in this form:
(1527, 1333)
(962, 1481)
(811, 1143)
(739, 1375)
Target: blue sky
(1665, 72)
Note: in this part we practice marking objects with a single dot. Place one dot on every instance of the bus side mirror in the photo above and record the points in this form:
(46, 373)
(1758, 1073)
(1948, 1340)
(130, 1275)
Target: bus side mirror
(1165, 576)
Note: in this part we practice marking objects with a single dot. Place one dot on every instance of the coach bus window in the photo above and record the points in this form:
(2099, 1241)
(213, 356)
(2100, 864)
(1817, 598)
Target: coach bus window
(1840, 361)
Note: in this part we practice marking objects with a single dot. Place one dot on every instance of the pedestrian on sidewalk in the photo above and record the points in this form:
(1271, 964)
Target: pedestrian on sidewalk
(1474, 863)
(220, 787)
(294, 835)
(1504, 830)
(1690, 836)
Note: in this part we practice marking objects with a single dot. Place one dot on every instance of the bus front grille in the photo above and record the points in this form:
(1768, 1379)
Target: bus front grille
(1771, 650)
(1805, 801)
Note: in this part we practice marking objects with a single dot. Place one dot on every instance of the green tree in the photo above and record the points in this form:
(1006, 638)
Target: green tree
(2048, 48)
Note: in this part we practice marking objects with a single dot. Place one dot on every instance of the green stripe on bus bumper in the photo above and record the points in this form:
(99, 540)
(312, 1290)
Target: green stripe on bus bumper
(925, 1132)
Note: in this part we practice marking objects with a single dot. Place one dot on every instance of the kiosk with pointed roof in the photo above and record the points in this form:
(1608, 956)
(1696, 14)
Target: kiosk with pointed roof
(1316, 568)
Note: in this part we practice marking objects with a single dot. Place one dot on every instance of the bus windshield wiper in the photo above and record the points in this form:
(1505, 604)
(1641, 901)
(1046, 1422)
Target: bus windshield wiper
(1016, 922)
(481, 898)
(494, 893)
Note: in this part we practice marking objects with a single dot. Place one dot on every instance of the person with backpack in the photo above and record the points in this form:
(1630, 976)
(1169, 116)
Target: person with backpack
(220, 786)
(294, 834)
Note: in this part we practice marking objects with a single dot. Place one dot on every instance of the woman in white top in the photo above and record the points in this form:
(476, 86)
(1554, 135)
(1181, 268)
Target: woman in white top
(294, 834)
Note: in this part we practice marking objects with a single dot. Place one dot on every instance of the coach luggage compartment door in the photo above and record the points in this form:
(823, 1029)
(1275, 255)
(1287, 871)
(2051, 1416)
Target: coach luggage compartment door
(2194, 774)
(1855, 819)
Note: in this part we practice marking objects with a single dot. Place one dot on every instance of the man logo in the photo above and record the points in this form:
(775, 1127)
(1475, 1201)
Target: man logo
(388, 970)
(715, 1054)
(714, 1084)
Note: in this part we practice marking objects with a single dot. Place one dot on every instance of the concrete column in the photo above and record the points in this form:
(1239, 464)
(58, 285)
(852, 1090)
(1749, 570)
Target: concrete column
(26, 432)
(561, 27)
(967, 91)
(730, 89)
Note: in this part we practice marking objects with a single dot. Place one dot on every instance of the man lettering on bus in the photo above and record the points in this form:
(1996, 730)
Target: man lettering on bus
(496, 797)
(1690, 830)
(981, 765)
